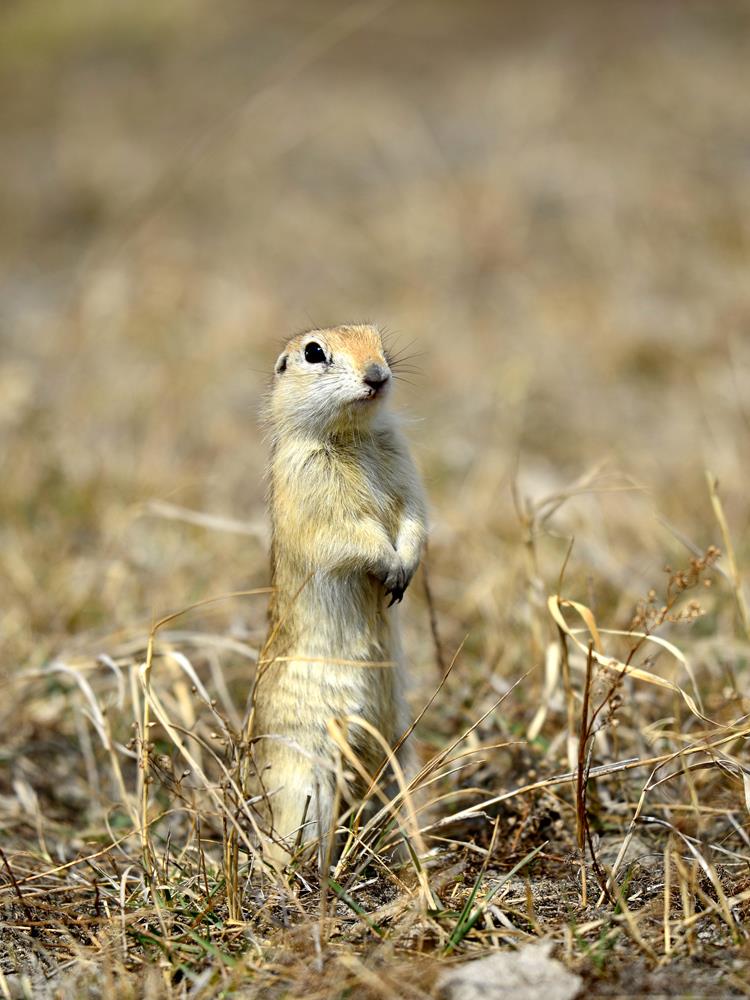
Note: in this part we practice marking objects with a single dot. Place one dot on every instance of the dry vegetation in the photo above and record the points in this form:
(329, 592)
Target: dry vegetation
(551, 201)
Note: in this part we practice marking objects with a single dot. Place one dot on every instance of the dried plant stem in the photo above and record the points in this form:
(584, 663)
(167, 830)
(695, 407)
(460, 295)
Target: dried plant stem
(146, 852)
(581, 818)
(667, 898)
(739, 593)
(570, 702)
(437, 645)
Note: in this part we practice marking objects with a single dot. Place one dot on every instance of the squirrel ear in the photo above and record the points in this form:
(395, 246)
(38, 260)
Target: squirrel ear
(280, 365)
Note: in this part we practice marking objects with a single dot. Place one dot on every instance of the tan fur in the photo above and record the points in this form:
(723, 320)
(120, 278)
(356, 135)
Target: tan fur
(349, 524)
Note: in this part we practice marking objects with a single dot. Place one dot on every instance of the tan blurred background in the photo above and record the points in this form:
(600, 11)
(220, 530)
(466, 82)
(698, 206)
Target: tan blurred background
(549, 202)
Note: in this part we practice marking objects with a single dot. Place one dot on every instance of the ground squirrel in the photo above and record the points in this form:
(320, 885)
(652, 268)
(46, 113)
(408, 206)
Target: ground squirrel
(349, 525)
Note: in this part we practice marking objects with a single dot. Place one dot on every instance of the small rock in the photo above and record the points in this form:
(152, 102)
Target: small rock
(638, 850)
(526, 974)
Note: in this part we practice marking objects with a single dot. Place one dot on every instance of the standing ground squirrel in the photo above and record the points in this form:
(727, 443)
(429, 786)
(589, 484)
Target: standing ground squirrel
(348, 520)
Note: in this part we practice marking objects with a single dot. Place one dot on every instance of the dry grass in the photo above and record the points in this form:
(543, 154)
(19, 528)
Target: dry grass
(552, 204)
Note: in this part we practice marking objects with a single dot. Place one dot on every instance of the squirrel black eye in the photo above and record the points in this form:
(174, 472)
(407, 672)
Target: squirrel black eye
(314, 354)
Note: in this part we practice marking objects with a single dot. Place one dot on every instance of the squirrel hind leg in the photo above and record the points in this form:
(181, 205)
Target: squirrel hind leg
(298, 816)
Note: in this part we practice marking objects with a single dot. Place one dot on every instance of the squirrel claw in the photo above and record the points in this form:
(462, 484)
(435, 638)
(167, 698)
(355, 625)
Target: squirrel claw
(397, 595)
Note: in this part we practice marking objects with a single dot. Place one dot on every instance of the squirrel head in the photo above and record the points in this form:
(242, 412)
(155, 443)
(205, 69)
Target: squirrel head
(329, 380)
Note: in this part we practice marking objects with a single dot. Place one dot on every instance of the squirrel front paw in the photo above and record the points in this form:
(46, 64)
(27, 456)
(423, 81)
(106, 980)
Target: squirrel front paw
(395, 580)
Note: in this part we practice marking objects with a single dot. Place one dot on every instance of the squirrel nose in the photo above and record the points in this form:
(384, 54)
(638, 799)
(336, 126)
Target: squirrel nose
(376, 376)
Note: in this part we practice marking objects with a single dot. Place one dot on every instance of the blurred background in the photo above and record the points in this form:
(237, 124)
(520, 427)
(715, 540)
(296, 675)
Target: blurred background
(547, 204)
